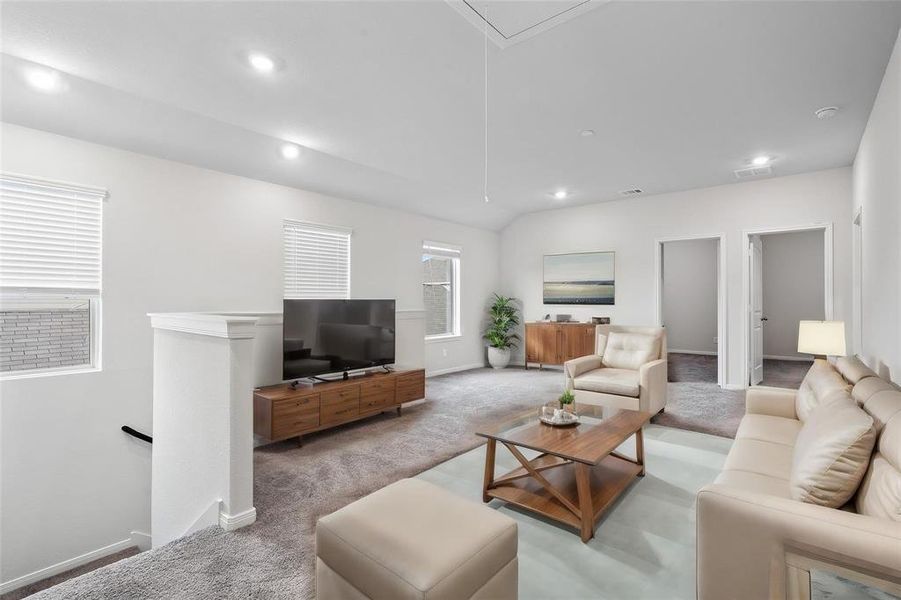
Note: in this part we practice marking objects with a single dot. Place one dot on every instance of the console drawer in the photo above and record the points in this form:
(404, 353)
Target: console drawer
(338, 411)
(340, 395)
(410, 386)
(295, 405)
(377, 386)
(293, 424)
(373, 402)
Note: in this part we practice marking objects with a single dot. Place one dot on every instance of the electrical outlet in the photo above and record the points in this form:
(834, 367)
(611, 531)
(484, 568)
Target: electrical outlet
(444, 352)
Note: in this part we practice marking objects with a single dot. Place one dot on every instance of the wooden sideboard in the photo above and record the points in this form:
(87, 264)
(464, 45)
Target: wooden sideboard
(549, 343)
(280, 412)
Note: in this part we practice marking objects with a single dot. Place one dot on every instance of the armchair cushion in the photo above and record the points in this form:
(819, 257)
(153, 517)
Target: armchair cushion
(630, 350)
(621, 382)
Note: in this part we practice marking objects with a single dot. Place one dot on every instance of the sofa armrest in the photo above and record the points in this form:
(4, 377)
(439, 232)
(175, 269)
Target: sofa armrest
(575, 367)
(743, 538)
(652, 385)
(772, 401)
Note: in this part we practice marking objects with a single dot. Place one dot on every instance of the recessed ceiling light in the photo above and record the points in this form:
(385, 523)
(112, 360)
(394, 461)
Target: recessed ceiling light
(827, 112)
(587, 132)
(759, 161)
(290, 151)
(261, 62)
(560, 194)
(46, 80)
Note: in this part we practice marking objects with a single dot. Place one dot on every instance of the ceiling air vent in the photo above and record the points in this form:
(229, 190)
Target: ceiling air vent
(634, 192)
(753, 172)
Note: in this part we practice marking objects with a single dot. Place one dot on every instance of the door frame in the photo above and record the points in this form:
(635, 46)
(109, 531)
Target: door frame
(828, 292)
(722, 347)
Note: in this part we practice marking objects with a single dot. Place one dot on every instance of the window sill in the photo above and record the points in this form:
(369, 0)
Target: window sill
(13, 375)
(433, 339)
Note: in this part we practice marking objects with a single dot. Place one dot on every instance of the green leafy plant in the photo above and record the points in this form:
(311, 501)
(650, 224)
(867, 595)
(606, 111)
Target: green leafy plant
(567, 397)
(502, 318)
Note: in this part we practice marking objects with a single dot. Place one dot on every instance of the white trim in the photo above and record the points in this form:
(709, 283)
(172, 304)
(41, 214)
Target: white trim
(698, 352)
(142, 540)
(66, 565)
(828, 291)
(68, 186)
(797, 358)
(325, 226)
(734, 386)
(468, 367)
(722, 337)
(409, 314)
(444, 337)
(49, 372)
(222, 325)
(242, 519)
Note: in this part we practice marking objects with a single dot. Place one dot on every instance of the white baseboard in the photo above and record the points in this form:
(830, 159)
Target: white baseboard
(734, 386)
(61, 567)
(795, 358)
(455, 369)
(142, 540)
(700, 352)
(242, 519)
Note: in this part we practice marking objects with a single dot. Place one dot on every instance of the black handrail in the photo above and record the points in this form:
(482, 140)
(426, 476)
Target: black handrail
(137, 434)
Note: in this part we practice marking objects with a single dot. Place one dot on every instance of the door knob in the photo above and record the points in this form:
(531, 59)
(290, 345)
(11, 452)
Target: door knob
(764, 319)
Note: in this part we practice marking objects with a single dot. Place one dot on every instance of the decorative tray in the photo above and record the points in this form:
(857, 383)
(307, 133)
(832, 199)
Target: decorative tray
(565, 420)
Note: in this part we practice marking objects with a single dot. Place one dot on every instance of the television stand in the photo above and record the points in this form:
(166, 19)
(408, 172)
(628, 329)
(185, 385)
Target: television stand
(285, 411)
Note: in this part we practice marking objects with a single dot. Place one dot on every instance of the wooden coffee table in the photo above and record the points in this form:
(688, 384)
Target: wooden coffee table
(578, 474)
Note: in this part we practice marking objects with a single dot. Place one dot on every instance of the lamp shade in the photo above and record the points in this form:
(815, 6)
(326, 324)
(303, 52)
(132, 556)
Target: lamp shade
(821, 337)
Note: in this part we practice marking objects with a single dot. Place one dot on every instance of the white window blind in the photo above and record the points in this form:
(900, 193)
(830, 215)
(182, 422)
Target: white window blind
(317, 260)
(50, 236)
(441, 288)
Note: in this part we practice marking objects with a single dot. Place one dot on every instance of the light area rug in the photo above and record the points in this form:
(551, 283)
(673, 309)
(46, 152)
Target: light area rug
(294, 486)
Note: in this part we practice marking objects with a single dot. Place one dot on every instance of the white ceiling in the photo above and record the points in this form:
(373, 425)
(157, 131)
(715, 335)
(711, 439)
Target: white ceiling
(387, 97)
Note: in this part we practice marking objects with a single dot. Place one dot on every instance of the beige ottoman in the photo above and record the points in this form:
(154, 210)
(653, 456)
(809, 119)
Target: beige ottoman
(414, 540)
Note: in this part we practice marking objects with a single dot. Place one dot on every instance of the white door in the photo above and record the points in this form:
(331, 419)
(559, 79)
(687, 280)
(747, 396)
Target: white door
(756, 318)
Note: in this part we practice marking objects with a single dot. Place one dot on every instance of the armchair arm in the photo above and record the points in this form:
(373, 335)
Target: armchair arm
(743, 538)
(652, 386)
(575, 367)
(772, 401)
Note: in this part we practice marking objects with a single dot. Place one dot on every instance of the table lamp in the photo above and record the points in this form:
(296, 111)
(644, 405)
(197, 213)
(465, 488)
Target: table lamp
(821, 338)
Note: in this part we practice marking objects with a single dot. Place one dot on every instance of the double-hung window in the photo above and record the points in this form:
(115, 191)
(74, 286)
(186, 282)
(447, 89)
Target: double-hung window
(441, 289)
(50, 276)
(316, 260)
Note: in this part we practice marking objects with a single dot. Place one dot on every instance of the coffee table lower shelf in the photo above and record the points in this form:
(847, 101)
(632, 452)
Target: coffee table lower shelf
(606, 481)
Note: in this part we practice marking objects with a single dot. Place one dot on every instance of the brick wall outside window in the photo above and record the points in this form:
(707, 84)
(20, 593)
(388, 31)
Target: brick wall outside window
(43, 339)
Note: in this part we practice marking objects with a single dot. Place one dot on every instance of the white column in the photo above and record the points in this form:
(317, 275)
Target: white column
(202, 423)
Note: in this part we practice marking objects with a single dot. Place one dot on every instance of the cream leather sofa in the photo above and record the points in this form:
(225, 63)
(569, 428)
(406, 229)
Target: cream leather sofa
(755, 541)
(628, 369)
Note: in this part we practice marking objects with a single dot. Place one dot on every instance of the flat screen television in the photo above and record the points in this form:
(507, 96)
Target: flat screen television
(336, 336)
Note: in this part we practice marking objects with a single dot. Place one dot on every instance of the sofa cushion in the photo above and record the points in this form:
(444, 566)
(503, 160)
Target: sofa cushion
(865, 388)
(757, 456)
(880, 491)
(883, 406)
(755, 482)
(832, 453)
(630, 350)
(766, 428)
(821, 385)
(620, 382)
(853, 369)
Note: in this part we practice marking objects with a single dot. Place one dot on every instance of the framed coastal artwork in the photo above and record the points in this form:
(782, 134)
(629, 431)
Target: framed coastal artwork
(580, 278)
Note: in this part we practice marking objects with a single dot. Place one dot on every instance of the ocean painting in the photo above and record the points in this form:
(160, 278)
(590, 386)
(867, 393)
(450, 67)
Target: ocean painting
(583, 278)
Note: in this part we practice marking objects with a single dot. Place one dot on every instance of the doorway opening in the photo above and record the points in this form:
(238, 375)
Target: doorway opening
(691, 305)
(788, 279)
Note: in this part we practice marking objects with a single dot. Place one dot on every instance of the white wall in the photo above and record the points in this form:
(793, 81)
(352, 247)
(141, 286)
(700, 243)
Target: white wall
(793, 284)
(689, 295)
(176, 238)
(877, 193)
(631, 226)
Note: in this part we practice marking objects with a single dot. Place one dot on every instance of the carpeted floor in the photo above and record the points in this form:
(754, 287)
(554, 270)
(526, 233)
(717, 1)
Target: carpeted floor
(294, 485)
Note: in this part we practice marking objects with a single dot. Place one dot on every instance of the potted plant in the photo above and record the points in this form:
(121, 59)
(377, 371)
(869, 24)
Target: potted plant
(567, 400)
(502, 318)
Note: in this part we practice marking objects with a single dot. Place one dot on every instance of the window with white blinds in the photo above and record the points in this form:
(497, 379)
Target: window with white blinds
(441, 289)
(50, 276)
(317, 260)
(50, 236)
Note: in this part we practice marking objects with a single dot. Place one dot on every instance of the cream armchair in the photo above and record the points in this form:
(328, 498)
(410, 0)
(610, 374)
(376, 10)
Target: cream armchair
(628, 369)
